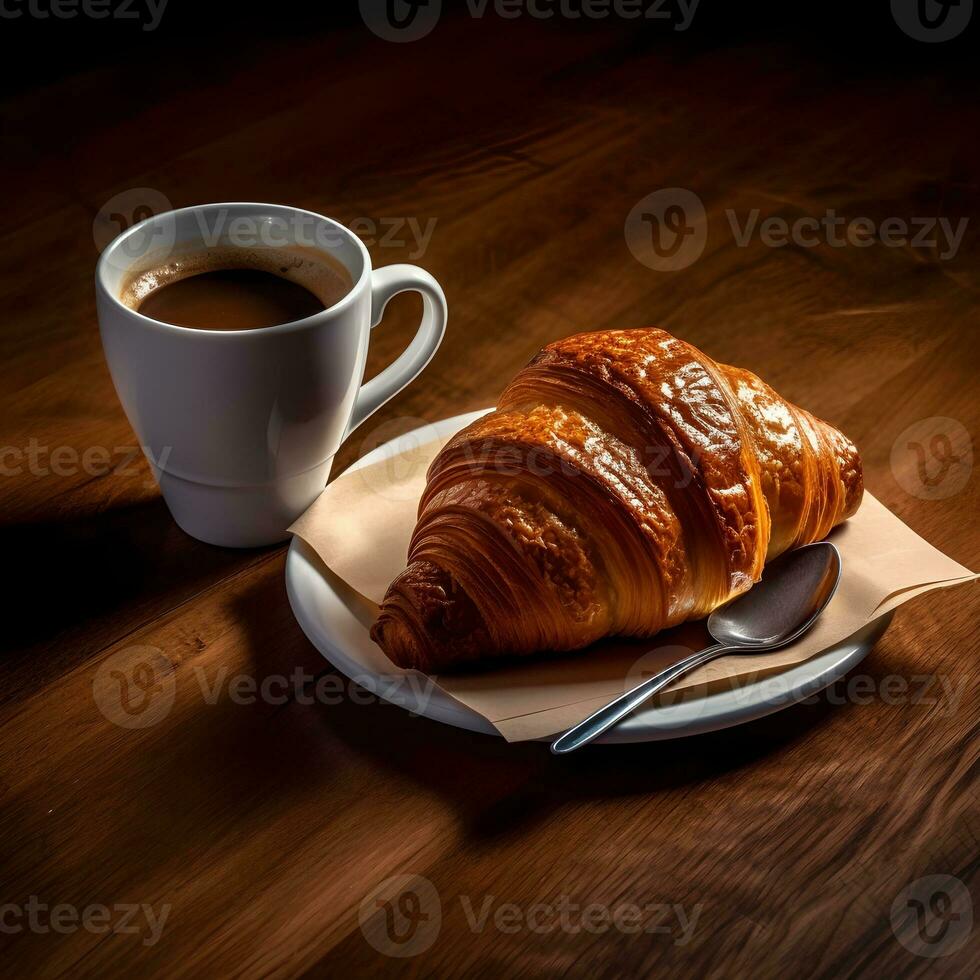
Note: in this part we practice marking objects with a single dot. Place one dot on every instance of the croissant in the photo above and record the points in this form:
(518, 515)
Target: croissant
(625, 483)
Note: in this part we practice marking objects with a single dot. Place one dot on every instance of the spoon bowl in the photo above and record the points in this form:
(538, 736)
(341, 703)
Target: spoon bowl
(794, 589)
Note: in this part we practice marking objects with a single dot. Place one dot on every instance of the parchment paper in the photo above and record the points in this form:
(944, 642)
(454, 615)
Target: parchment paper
(361, 525)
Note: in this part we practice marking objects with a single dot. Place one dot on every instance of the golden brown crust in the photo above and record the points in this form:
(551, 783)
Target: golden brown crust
(625, 483)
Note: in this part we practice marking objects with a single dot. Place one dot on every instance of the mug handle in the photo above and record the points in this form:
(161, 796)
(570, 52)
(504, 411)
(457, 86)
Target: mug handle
(385, 283)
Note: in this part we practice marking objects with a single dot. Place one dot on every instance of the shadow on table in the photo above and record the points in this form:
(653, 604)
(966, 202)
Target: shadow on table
(499, 787)
(70, 570)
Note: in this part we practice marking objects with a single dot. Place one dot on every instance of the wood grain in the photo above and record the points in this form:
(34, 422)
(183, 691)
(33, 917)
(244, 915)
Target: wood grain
(262, 826)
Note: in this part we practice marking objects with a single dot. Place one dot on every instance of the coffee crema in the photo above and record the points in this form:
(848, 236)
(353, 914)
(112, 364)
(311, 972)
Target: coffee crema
(238, 289)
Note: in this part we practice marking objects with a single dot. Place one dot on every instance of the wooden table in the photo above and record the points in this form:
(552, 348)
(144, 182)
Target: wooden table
(243, 837)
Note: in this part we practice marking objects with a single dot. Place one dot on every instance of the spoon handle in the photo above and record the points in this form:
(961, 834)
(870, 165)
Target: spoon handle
(609, 714)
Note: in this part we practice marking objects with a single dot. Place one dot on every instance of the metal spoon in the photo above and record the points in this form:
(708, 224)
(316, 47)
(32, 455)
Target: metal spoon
(793, 591)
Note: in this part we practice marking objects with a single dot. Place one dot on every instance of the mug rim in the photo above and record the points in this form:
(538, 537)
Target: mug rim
(348, 299)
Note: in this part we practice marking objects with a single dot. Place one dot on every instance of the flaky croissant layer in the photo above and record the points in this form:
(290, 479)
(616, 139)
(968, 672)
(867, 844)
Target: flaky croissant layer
(626, 483)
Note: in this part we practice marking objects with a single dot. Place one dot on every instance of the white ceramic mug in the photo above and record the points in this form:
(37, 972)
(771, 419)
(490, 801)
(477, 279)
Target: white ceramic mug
(240, 427)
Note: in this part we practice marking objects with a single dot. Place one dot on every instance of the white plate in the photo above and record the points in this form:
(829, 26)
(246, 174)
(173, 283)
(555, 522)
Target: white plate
(335, 624)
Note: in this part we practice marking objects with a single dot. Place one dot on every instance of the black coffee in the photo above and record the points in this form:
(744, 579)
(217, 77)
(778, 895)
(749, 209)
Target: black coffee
(238, 290)
(231, 299)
